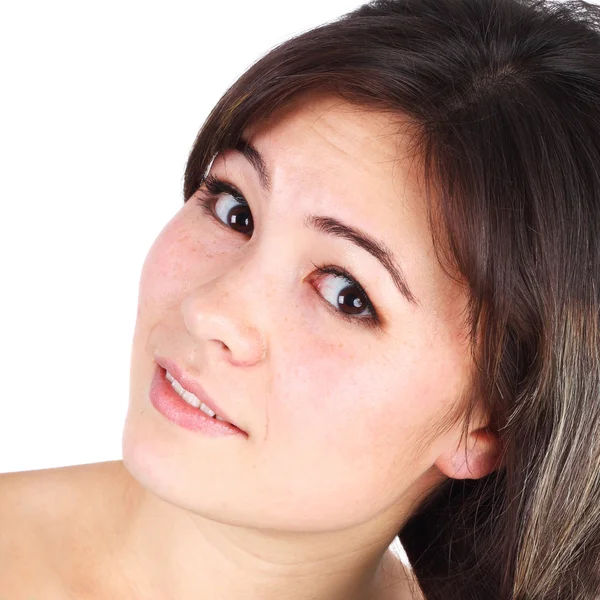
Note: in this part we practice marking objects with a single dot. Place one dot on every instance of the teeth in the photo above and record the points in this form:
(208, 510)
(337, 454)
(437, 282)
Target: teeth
(210, 413)
(190, 398)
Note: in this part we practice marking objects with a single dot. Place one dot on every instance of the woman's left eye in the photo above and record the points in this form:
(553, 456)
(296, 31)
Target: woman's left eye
(225, 203)
(346, 295)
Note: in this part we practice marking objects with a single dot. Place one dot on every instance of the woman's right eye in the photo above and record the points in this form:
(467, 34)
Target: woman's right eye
(223, 202)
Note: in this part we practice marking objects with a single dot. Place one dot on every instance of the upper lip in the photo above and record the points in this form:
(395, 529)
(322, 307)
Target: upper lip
(192, 386)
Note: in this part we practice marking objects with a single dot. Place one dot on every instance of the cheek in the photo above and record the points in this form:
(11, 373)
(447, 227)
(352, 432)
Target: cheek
(176, 260)
(345, 418)
(357, 403)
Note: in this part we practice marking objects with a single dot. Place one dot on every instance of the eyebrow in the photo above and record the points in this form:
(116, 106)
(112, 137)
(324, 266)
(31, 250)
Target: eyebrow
(257, 161)
(332, 226)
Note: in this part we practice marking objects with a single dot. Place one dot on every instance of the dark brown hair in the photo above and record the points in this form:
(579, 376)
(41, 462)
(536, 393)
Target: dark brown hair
(504, 99)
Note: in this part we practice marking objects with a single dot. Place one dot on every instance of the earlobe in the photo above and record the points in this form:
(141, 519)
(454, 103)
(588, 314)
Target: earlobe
(479, 457)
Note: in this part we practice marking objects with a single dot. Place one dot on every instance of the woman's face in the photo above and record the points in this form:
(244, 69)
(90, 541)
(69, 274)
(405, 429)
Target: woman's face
(335, 405)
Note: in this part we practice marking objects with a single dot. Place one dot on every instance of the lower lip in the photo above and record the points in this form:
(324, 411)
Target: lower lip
(170, 404)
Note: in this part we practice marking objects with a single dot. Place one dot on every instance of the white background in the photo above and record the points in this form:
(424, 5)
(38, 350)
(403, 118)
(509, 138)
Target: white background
(100, 103)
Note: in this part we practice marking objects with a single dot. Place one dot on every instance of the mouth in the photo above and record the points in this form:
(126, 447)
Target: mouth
(191, 399)
(195, 394)
(176, 401)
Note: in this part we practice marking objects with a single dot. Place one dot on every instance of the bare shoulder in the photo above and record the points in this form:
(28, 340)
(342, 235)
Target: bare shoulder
(44, 515)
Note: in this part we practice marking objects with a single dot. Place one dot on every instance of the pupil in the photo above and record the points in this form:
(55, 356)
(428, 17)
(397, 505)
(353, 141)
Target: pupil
(240, 219)
(351, 300)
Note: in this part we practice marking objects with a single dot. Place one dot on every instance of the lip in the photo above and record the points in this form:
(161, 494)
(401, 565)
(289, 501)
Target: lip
(194, 387)
(174, 408)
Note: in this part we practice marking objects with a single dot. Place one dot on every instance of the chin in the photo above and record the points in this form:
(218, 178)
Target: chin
(174, 467)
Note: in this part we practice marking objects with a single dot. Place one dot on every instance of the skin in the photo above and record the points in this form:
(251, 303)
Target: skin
(340, 417)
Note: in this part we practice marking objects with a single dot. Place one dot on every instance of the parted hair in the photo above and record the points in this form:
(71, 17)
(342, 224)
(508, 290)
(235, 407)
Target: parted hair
(503, 98)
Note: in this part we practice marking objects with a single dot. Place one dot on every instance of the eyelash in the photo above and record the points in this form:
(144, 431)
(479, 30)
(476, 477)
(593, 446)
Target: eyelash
(214, 187)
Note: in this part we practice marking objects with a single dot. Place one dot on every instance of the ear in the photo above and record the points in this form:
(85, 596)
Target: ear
(473, 459)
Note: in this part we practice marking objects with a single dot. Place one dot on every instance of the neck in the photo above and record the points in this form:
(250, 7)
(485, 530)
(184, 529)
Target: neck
(167, 551)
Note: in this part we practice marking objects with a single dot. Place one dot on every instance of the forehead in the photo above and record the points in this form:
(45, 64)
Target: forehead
(358, 159)
(335, 131)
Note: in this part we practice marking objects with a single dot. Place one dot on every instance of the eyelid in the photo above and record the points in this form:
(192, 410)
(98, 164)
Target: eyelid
(217, 186)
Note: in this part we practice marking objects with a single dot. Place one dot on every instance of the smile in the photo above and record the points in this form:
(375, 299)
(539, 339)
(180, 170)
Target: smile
(191, 399)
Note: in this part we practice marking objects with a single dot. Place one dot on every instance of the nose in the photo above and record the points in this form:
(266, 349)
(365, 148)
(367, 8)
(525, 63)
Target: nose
(220, 317)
